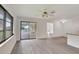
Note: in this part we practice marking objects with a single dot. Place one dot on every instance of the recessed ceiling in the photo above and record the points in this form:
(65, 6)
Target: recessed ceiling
(34, 10)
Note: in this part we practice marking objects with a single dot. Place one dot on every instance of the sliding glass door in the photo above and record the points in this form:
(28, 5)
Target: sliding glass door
(28, 30)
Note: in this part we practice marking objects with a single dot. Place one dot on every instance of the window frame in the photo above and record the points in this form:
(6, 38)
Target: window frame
(4, 24)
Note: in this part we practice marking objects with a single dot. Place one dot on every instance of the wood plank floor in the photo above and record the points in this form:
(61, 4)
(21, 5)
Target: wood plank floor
(44, 46)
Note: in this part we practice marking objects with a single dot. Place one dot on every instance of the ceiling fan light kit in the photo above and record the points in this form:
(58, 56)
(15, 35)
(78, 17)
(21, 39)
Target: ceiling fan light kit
(46, 13)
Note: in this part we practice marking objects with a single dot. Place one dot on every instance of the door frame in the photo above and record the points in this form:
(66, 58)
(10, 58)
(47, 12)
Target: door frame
(27, 22)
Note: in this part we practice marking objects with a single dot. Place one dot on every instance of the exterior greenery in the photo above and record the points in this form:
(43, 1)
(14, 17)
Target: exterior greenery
(6, 24)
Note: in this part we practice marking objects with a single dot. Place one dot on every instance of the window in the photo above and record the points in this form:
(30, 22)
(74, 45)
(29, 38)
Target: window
(6, 25)
(1, 24)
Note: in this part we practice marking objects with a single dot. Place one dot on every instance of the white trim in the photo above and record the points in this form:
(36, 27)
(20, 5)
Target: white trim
(6, 41)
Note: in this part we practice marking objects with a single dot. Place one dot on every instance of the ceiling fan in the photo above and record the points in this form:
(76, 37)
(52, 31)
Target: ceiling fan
(47, 13)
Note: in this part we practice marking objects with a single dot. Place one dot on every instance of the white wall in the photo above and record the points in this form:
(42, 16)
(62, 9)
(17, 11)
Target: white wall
(41, 26)
(60, 29)
(8, 45)
(70, 26)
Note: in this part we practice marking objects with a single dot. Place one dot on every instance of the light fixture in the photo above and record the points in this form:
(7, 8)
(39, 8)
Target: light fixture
(63, 21)
(47, 13)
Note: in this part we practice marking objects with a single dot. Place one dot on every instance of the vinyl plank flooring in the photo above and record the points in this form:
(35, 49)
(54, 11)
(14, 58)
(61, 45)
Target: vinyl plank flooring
(45, 46)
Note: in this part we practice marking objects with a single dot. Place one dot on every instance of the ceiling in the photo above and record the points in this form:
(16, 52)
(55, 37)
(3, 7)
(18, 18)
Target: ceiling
(34, 10)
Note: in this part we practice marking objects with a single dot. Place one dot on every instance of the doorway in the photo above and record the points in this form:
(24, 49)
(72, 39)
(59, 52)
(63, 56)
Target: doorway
(27, 30)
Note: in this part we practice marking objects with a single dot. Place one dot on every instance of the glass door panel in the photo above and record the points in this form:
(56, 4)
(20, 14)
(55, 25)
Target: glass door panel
(32, 30)
(1, 24)
(24, 30)
(28, 30)
(1, 30)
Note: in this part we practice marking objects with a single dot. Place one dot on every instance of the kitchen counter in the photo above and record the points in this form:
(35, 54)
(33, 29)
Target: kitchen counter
(72, 34)
(73, 40)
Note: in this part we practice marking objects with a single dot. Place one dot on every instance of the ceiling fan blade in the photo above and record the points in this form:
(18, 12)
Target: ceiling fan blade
(53, 11)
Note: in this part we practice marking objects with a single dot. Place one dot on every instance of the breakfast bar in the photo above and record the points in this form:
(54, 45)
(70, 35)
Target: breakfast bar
(73, 40)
